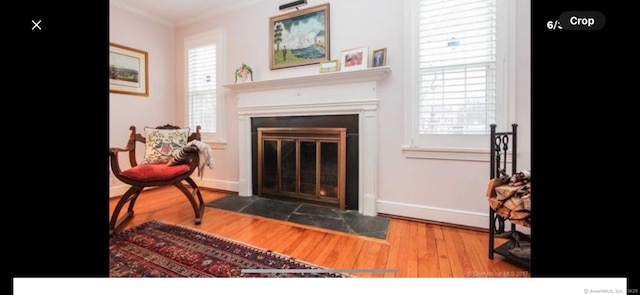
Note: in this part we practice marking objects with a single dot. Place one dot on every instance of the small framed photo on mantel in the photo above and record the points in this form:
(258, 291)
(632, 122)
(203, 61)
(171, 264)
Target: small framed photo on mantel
(329, 66)
(354, 59)
(379, 58)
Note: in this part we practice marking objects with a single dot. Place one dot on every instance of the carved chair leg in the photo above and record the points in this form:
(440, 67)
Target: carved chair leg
(196, 207)
(130, 196)
(196, 191)
(132, 202)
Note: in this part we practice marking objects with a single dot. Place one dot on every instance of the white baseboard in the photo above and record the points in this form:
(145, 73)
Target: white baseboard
(458, 217)
(118, 190)
(451, 216)
(224, 185)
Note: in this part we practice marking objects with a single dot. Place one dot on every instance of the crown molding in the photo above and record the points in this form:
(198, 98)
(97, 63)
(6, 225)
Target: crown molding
(141, 13)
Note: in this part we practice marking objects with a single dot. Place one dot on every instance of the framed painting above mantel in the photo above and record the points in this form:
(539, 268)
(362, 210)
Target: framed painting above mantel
(300, 37)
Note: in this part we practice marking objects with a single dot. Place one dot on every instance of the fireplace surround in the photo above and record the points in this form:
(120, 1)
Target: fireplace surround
(341, 93)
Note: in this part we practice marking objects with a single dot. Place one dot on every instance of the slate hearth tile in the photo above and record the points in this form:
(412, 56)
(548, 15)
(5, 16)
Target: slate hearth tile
(271, 208)
(311, 215)
(320, 221)
(318, 211)
(373, 226)
(232, 202)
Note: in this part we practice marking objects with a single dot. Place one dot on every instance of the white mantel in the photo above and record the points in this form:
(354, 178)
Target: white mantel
(339, 93)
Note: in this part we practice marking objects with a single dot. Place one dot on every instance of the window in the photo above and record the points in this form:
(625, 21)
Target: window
(458, 65)
(204, 96)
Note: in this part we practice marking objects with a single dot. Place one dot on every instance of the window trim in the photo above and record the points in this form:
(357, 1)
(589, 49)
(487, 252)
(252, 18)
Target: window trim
(218, 139)
(506, 87)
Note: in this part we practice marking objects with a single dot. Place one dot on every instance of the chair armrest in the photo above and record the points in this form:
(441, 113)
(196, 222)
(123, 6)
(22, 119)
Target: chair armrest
(114, 151)
(115, 164)
(195, 162)
(113, 154)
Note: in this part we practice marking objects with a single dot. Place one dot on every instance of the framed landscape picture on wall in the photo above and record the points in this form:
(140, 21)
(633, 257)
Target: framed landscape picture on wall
(300, 37)
(128, 70)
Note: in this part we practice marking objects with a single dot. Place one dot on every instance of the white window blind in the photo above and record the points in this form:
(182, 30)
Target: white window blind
(202, 87)
(457, 66)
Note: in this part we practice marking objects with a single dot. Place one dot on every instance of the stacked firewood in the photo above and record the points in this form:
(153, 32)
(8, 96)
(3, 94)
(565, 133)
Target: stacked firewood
(510, 197)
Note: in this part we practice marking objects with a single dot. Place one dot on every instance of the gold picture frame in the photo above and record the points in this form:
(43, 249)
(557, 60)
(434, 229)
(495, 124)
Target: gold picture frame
(329, 66)
(128, 70)
(379, 58)
(300, 37)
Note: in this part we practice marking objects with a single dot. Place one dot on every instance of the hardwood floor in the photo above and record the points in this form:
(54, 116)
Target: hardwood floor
(411, 249)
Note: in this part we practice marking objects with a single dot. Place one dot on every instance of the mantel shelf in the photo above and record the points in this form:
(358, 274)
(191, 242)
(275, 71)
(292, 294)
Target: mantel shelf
(369, 74)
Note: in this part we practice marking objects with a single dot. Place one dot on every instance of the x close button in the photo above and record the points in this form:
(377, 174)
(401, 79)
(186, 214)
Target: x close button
(36, 25)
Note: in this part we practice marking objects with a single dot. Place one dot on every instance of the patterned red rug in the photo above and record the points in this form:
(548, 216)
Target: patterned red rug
(158, 249)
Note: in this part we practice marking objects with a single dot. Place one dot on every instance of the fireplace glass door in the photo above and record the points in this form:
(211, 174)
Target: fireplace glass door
(303, 163)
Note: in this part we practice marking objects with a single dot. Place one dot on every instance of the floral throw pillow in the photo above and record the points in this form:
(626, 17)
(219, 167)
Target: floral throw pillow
(160, 144)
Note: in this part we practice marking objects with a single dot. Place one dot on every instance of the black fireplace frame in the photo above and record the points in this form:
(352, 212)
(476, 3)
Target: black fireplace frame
(349, 121)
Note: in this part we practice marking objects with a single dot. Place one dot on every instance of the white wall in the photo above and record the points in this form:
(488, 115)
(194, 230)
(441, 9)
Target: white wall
(158, 108)
(440, 190)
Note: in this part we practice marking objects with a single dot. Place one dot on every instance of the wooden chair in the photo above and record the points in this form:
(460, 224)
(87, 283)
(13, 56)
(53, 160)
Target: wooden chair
(141, 176)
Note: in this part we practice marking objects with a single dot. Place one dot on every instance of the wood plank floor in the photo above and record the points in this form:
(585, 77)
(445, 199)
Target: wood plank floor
(411, 249)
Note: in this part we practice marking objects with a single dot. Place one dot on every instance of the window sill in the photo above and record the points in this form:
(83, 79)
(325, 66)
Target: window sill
(477, 155)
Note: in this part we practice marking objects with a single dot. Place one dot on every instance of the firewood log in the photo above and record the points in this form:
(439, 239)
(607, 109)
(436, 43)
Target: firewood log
(526, 200)
(519, 214)
(525, 189)
(504, 212)
(522, 176)
(494, 203)
(491, 189)
(518, 184)
(514, 203)
(506, 191)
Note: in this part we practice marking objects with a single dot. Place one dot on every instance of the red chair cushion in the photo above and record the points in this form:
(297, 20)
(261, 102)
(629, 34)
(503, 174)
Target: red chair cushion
(155, 172)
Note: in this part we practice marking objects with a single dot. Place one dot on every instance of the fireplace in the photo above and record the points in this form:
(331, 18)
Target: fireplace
(352, 94)
(331, 141)
(307, 164)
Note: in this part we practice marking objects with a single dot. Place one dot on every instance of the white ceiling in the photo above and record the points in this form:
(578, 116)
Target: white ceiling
(180, 12)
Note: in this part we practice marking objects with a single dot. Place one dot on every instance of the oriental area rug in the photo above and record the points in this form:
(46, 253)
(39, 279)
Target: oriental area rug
(160, 249)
